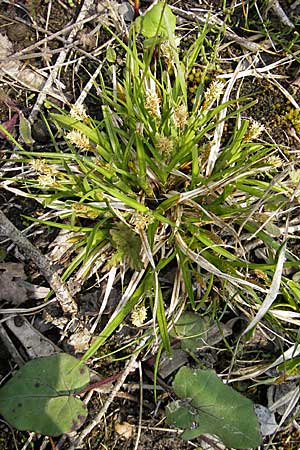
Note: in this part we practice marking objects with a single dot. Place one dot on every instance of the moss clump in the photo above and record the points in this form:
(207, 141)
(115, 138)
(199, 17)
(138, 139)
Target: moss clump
(293, 116)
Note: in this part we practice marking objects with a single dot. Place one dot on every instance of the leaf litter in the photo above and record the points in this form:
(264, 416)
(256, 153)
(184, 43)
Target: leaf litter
(14, 289)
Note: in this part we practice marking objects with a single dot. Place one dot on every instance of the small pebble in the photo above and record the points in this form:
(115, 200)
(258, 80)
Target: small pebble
(127, 11)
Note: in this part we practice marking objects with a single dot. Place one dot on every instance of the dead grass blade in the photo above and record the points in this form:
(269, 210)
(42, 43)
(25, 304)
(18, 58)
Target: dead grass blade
(272, 293)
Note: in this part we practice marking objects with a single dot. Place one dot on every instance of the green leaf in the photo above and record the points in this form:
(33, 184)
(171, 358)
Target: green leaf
(25, 129)
(207, 405)
(69, 123)
(39, 396)
(180, 414)
(158, 21)
(127, 243)
(115, 321)
(111, 55)
(192, 330)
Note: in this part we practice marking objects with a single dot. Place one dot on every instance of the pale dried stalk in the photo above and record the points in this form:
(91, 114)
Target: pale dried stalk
(130, 366)
(272, 292)
(210, 268)
(215, 148)
(275, 6)
(61, 290)
(251, 374)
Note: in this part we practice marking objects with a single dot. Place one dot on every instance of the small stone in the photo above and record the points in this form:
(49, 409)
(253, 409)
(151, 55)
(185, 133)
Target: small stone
(40, 132)
(127, 11)
(80, 340)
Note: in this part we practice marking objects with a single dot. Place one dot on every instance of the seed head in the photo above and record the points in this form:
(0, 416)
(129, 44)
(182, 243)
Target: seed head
(79, 139)
(138, 315)
(84, 211)
(41, 166)
(153, 103)
(47, 181)
(254, 131)
(167, 51)
(180, 117)
(275, 161)
(78, 112)
(295, 176)
(212, 93)
(165, 144)
(142, 221)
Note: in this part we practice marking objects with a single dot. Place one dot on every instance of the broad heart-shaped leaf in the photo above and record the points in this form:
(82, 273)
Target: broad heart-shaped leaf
(39, 397)
(158, 21)
(209, 406)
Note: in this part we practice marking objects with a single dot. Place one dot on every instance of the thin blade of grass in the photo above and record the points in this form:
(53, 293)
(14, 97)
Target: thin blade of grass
(162, 321)
(114, 322)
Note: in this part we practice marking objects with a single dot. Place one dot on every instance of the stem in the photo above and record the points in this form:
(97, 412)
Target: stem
(107, 380)
(136, 8)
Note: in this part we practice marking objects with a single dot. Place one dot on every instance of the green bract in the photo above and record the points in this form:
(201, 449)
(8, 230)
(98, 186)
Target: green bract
(158, 21)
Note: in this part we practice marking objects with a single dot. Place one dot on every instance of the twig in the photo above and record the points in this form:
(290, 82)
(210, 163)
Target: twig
(90, 83)
(205, 17)
(100, 383)
(53, 446)
(275, 6)
(26, 311)
(29, 441)
(8, 343)
(25, 53)
(12, 433)
(61, 290)
(295, 4)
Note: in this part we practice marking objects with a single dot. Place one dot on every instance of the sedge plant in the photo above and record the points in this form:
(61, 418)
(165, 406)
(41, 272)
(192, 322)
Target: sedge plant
(142, 191)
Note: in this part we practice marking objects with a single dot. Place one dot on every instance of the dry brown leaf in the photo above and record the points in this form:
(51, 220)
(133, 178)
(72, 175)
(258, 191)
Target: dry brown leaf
(6, 47)
(80, 341)
(13, 287)
(124, 429)
(28, 77)
(35, 344)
